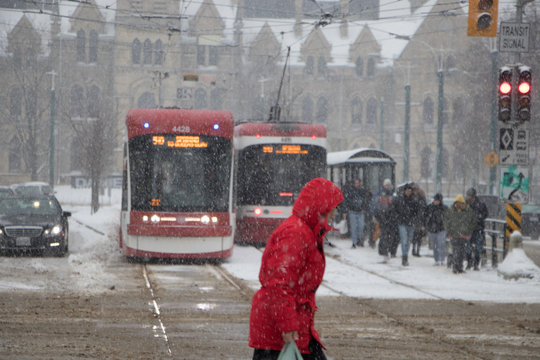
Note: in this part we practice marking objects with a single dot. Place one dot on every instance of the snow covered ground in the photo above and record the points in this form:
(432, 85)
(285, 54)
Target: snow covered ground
(350, 272)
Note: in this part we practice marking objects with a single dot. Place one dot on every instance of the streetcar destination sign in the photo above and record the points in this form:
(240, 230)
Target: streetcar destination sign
(514, 37)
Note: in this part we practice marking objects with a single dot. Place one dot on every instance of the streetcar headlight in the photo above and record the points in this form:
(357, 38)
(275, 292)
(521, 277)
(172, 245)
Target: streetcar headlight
(214, 219)
(205, 219)
(145, 218)
(258, 211)
(155, 219)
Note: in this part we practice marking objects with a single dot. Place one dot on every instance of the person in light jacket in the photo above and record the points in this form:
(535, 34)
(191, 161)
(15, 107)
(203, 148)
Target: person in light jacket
(460, 222)
(292, 269)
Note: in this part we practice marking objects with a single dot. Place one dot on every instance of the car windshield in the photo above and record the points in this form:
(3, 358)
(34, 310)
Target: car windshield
(31, 206)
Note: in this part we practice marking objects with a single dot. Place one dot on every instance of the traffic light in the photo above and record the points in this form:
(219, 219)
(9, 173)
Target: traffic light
(482, 18)
(523, 104)
(505, 93)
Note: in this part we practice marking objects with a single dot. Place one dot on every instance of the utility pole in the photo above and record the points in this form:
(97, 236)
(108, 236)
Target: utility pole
(493, 127)
(51, 138)
(406, 135)
(438, 162)
(381, 133)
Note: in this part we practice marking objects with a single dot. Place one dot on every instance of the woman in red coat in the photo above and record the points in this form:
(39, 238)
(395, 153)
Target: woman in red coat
(292, 269)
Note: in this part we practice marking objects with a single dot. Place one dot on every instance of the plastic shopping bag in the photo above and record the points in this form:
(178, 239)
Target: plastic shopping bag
(290, 352)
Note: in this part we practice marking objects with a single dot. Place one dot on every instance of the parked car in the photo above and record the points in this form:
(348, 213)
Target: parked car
(6, 191)
(33, 223)
(530, 221)
(32, 188)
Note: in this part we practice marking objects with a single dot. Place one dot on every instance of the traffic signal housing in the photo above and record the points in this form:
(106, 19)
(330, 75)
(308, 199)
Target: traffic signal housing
(505, 93)
(523, 95)
(482, 19)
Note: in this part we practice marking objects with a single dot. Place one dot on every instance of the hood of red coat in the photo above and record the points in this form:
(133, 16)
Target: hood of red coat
(317, 198)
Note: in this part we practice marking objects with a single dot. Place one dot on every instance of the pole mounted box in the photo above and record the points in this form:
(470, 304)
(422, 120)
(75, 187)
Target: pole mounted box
(482, 20)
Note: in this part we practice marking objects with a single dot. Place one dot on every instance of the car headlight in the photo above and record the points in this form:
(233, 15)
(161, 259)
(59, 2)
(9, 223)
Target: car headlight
(53, 231)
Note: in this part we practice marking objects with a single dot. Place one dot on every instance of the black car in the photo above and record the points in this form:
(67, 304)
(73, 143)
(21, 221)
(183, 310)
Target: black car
(33, 223)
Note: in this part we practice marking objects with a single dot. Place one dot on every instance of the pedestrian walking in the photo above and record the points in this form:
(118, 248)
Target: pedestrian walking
(292, 269)
(386, 217)
(407, 209)
(476, 243)
(460, 222)
(356, 202)
(419, 229)
(434, 224)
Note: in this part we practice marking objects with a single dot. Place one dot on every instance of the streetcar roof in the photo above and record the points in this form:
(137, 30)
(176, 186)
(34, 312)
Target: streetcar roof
(362, 155)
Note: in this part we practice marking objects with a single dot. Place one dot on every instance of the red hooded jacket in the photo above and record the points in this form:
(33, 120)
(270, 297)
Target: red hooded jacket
(292, 269)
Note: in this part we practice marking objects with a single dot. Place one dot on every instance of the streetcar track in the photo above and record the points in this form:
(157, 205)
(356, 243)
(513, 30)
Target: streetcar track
(156, 310)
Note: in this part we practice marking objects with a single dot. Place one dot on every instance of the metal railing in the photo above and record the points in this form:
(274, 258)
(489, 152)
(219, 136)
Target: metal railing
(496, 230)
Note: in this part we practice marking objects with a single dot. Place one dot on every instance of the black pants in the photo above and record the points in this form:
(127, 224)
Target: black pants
(458, 253)
(315, 349)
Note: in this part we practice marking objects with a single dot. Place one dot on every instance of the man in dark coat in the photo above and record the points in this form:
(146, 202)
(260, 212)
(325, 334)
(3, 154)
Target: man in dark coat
(385, 214)
(476, 243)
(459, 222)
(407, 210)
(292, 269)
(434, 224)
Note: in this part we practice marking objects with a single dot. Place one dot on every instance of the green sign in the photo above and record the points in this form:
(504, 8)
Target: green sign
(515, 184)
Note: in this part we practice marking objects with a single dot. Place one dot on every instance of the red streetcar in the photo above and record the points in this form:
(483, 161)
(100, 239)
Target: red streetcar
(177, 184)
(274, 160)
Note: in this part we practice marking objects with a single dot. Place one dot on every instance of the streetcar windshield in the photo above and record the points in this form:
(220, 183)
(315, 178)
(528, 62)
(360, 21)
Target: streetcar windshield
(275, 178)
(180, 173)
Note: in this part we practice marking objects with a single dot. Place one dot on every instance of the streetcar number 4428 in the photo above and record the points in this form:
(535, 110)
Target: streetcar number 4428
(181, 129)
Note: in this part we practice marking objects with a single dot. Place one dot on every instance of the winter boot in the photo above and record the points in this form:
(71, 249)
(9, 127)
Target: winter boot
(404, 261)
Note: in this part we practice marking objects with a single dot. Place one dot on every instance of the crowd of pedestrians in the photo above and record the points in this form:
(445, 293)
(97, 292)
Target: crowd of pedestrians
(402, 218)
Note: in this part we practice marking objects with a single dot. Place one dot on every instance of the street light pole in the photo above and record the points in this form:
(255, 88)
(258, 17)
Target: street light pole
(406, 135)
(438, 162)
(51, 138)
(493, 127)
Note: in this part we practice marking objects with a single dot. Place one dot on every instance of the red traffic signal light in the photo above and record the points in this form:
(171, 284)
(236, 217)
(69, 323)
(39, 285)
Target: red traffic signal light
(523, 93)
(482, 19)
(505, 93)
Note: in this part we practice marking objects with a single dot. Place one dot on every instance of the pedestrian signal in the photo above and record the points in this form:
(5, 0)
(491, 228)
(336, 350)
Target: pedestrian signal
(482, 19)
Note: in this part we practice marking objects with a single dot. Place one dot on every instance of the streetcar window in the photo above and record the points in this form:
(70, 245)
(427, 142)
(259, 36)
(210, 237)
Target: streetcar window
(171, 178)
(263, 174)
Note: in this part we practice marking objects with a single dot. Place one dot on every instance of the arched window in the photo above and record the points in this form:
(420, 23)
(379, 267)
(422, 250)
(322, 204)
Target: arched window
(93, 101)
(321, 66)
(146, 101)
(307, 110)
(30, 57)
(77, 101)
(308, 69)
(136, 52)
(458, 111)
(370, 67)
(425, 162)
(427, 112)
(322, 110)
(93, 47)
(359, 67)
(15, 104)
(158, 50)
(147, 52)
(15, 157)
(212, 55)
(371, 111)
(216, 101)
(356, 111)
(199, 99)
(81, 46)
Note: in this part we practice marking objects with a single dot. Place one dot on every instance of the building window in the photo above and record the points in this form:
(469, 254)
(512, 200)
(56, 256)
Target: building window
(201, 55)
(15, 105)
(370, 67)
(322, 110)
(359, 67)
(93, 102)
(213, 55)
(321, 66)
(93, 47)
(14, 159)
(158, 53)
(427, 112)
(216, 101)
(308, 69)
(371, 111)
(146, 101)
(200, 99)
(76, 101)
(307, 110)
(136, 52)
(81, 46)
(147, 52)
(30, 57)
(356, 111)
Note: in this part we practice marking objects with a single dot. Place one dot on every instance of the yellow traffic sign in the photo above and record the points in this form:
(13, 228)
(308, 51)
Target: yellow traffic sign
(491, 159)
